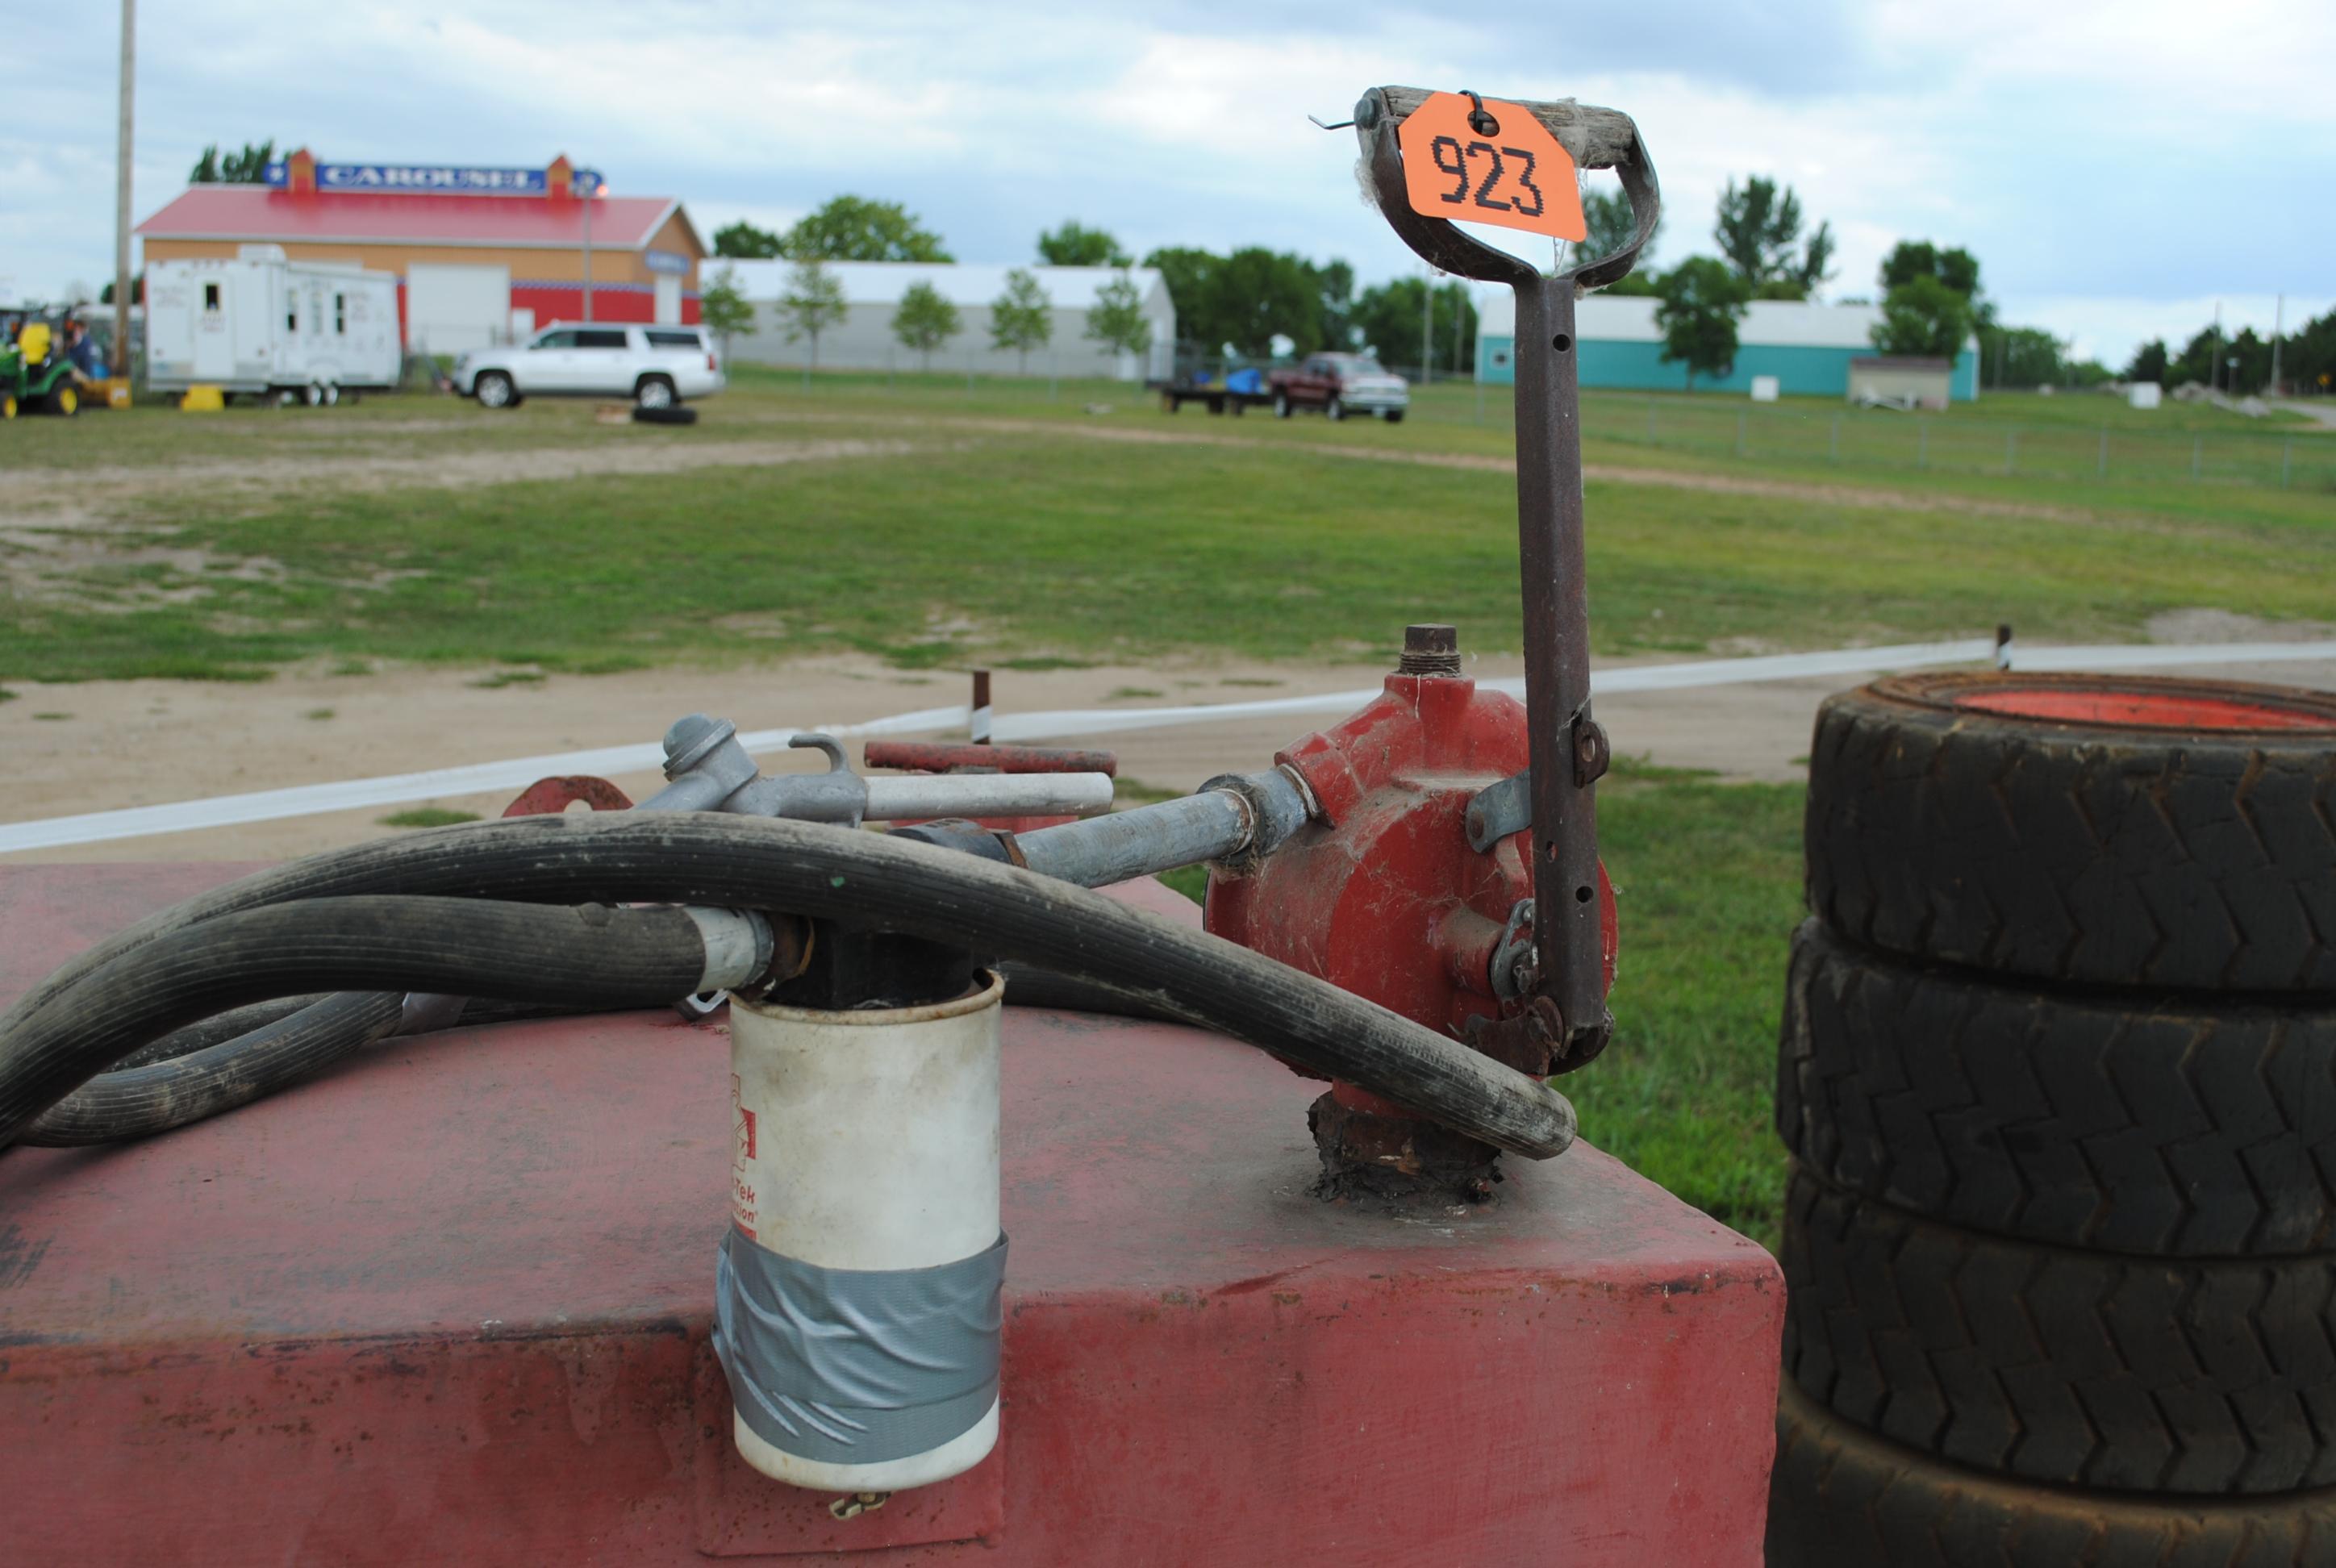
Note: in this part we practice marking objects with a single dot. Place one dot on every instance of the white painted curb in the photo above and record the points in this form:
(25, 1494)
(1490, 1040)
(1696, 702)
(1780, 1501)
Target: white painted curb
(311, 800)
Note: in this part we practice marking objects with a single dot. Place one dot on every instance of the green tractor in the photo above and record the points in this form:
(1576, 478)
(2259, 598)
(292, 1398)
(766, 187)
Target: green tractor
(35, 376)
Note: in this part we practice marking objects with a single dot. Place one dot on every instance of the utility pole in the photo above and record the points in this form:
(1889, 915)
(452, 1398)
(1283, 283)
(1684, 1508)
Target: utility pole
(121, 194)
(2278, 321)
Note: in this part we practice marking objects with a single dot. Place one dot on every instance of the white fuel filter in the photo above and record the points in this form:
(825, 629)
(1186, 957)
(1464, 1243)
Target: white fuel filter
(858, 1290)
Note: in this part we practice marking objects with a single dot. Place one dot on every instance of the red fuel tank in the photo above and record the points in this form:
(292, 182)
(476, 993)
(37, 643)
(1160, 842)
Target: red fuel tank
(450, 1305)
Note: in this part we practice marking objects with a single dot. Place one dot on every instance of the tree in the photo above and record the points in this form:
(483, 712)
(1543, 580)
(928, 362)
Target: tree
(725, 309)
(2024, 357)
(1611, 223)
(2207, 357)
(1116, 318)
(1702, 299)
(1956, 267)
(1759, 233)
(812, 303)
(1924, 317)
(137, 291)
(743, 240)
(1816, 257)
(1334, 281)
(1388, 314)
(2308, 356)
(247, 167)
(924, 320)
(1075, 245)
(1913, 258)
(2148, 363)
(1021, 318)
(852, 229)
(1245, 301)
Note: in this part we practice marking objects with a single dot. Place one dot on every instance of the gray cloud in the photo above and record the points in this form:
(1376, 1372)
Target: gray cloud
(2066, 149)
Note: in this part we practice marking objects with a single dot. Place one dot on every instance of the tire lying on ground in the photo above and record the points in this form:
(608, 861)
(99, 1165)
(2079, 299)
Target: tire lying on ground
(2106, 830)
(2079, 1369)
(669, 413)
(2184, 1126)
(1840, 1497)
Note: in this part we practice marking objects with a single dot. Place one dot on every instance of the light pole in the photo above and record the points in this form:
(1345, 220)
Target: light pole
(122, 195)
(2278, 321)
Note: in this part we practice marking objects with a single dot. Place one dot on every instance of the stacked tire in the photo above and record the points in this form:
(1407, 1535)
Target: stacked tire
(2059, 1078)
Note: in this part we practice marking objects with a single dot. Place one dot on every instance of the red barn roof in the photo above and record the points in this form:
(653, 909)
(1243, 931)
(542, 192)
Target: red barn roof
(260, 212)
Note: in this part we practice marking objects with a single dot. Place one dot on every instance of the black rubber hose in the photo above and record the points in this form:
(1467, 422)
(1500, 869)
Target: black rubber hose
(233, 1024)
(594, 955)
(249, 1053)
(1029, 986)
(751, 862)
(155, 1097)
(238, 1056)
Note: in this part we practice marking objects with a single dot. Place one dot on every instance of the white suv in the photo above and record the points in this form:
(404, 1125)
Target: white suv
(656, 366)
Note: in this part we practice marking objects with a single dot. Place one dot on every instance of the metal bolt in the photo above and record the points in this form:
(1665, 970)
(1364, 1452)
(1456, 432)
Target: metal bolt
(1430, 650)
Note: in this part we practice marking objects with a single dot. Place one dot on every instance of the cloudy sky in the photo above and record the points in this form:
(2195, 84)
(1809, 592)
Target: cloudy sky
(2118, 168)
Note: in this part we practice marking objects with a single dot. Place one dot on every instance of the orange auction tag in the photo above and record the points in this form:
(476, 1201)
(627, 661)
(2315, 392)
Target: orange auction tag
(1496, 164)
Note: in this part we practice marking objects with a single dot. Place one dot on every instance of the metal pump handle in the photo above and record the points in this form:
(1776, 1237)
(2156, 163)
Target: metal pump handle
(1569, 750)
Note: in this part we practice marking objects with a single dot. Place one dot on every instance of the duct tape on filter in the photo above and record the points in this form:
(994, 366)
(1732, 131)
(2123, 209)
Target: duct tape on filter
(857, 1366)
(310, 800)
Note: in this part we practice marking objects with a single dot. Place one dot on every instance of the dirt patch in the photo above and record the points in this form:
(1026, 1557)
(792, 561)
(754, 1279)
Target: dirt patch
(93, 488)
(2200, 626)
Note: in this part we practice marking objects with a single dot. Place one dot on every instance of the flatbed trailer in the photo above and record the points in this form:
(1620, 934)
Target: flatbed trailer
(1219, 399)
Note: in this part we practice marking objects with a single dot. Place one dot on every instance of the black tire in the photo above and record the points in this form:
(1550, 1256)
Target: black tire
(493, 389)
(1393, 416)
(674, 414)
(64, 399)
(2081, 1119)
(2078, 1368)
(2096, 850)
(656, 391)
(1840, 1497)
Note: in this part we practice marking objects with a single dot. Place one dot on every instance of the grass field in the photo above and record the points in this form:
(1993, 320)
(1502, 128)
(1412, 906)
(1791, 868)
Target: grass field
(932, 532)
(930, 525)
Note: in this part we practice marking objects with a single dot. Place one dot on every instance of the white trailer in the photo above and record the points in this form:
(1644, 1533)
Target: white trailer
(262, 325)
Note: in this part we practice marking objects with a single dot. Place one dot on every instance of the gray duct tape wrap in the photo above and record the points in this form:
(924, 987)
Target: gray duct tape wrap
(856, 1367)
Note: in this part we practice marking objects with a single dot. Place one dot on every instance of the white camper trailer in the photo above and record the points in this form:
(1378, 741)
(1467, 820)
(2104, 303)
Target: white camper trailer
(260, 324)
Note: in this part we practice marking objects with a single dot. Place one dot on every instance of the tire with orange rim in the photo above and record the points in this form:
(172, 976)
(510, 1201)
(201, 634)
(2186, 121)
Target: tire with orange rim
(2088, 828)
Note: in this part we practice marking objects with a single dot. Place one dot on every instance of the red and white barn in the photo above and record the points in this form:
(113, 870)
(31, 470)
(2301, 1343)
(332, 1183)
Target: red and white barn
(481, 255)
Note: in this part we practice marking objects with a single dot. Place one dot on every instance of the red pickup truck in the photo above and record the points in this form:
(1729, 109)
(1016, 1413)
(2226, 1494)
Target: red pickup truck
(1339, 385)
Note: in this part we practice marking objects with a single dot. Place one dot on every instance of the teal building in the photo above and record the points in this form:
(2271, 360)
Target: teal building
(1807, 348)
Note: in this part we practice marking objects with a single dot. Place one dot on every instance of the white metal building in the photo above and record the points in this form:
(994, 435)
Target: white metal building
(864, 340)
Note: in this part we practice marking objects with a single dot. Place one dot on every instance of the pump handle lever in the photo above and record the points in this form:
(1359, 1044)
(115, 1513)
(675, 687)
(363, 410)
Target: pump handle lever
(1567, 750)
(1595, 138)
